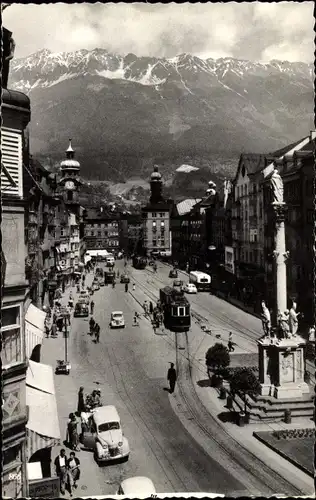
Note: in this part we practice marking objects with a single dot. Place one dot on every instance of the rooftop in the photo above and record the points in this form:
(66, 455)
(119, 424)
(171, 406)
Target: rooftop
(186, 205)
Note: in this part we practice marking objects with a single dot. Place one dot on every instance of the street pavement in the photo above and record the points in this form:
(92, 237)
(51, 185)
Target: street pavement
(223, 318)
(129, 366)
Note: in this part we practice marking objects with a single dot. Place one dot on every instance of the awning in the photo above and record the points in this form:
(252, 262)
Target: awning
(34, 328)
(43, 426)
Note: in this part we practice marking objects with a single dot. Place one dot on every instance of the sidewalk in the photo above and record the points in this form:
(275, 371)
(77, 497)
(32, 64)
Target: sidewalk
(209, 396)
(66, 386)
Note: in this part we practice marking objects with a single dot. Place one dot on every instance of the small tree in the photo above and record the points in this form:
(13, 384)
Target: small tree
(244, 381)
(217, 357)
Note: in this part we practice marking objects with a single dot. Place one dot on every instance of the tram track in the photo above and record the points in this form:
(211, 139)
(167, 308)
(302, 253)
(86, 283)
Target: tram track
(264, 479)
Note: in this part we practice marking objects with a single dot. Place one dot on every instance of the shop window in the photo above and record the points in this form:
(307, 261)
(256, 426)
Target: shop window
(11, 336)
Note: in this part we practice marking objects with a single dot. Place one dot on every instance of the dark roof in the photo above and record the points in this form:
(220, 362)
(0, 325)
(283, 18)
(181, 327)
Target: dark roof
(253, 162)
(95, 214)
(286, 149)
(157, 206)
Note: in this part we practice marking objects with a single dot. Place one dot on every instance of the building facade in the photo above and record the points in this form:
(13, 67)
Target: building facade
(156, 220)
(15, 116)
(102, 229)
(131, 234)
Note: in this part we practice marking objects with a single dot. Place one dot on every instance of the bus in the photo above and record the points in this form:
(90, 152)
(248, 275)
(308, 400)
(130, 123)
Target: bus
(202, 281)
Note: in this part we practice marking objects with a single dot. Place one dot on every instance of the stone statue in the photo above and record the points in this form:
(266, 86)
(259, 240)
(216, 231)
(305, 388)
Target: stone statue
(277, 187)
(266, 319)
(293, 321)
(283, 322)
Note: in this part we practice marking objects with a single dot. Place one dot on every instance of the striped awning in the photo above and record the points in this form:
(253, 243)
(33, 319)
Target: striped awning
(34, 328)
(43, 425)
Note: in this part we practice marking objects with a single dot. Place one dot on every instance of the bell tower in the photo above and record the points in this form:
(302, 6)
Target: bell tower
(156, 186)
(70, 177)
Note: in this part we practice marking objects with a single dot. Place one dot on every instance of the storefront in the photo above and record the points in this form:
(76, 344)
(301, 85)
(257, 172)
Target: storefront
(42, 429)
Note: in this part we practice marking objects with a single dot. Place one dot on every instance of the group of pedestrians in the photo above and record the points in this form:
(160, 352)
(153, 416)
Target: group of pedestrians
(94, 329)
(68, 471)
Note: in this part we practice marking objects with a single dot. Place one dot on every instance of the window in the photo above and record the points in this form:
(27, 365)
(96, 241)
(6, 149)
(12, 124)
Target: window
(63, 231)
(154, 214)
(11, 335)
(99, 233)
(91, 233)
(162, 214)
(154, 243)
(181, 311)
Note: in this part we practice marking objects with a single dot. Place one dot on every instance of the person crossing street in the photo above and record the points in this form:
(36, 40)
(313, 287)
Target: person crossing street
(91, 325)
(172, 377)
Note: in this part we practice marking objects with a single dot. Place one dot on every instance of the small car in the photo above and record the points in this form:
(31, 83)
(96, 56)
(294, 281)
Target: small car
(173, 273)
(103, 434)
(124, 278)
(189, 288)
(137, 487)
(177, 282)
(81, 310)
(117, 320)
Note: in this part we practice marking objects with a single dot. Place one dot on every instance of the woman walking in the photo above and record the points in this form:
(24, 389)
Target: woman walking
(81, 406)
(73, 433)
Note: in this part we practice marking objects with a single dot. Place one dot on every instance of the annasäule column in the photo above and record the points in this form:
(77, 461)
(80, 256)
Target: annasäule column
(280, 255)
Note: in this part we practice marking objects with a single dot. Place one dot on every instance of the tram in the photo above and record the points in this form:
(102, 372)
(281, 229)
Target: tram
(139, 262)
(176, 309)
(109, 277)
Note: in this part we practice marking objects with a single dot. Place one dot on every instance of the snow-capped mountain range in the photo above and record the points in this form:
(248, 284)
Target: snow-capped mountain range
(126, 113)
(45, 68)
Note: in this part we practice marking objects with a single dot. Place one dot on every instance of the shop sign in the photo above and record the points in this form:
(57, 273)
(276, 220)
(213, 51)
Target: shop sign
(229, 260)
(44, 488)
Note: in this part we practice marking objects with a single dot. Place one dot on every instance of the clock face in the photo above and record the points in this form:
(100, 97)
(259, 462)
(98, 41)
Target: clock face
(69, 185)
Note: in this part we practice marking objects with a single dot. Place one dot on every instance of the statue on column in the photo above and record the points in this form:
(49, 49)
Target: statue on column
(283, 323)
(277, 187)
(293, 321)
(266, 319)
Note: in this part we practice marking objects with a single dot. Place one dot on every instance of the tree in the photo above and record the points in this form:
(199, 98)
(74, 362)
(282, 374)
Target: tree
(217, 357)
(244, 381)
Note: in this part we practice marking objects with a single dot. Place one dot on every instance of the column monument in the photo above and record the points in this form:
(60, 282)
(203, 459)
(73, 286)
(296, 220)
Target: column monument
(281, 349)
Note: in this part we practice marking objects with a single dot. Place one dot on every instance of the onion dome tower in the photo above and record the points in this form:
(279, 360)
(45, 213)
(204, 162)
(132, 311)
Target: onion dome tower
(156, 186)
(70, 176)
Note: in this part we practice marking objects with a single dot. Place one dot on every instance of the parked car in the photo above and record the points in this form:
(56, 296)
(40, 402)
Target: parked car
(137, 487)
(173, 273)
(103, 434)
(189, 288)
(117, 320)
(81, 310)
(125, 278)
(177, 282)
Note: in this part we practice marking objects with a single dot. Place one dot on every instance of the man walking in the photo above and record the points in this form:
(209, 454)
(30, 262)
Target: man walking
(81, 405)
(91, 307)
(61, 469)
(126, 287)
(91, 325)
(231, 347)
(73, 466)
(97, 333)
(172, 377)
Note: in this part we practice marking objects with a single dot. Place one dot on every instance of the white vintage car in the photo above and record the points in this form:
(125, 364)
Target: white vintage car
(117, 320)
(103, 434)
(137, 487)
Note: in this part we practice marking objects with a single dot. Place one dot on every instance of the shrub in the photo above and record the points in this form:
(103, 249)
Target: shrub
(217, 357)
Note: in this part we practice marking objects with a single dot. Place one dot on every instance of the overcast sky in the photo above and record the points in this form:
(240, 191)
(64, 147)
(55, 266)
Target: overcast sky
(257, 31)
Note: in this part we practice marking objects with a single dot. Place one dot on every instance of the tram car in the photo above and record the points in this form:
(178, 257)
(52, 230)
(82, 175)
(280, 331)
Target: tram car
(176, 309)
(109, 277)
(139, 262)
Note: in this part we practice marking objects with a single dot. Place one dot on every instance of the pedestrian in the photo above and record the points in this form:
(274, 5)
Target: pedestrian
(46, 329)
(151, 307)
(118, 274)
(61, 469)
(136, 317)
(81, 406)
(71, 300)
(73, 432)
(68, 317)
(73, 466)
(78, 288)
(60, 324)
(126, 287)
(91, 307)
(134, 287)
(54, 317)
(97, 333)
(113, 283)
(54, 330)
(172, 377)
(230, 342)
(91, 325)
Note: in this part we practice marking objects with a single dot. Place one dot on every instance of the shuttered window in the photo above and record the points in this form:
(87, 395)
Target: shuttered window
(11, 157)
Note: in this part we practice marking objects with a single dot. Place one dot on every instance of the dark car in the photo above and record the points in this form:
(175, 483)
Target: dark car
(125, 278)
(177, 282)
(173, 273)
(81, 310)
